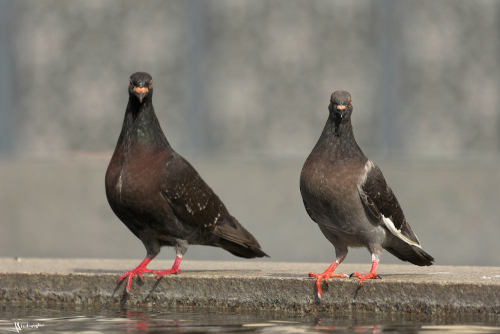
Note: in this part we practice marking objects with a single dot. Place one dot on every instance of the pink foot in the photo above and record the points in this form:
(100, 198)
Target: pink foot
(160, 273)
(362, 278)
(140, 270)
(174, 270)
(329, 272)
(371, 275)
(326, 275)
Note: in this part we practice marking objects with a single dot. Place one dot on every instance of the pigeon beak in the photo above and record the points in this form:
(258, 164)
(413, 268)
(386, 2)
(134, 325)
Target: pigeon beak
(341, 108)
(141, 92)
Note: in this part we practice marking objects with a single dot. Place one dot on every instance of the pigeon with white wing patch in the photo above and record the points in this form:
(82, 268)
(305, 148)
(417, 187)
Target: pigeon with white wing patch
(347, 196)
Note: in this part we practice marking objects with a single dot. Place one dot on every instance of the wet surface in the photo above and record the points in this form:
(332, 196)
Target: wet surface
(111, 320)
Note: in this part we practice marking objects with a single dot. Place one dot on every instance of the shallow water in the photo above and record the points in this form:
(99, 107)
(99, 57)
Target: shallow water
(22, 320)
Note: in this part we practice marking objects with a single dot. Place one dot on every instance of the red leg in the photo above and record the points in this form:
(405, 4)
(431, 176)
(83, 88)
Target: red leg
(371, 275)
(329, 272)
(174, 270)
(141, 269)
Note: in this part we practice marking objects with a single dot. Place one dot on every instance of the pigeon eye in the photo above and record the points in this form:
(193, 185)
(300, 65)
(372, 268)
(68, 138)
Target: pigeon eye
(350, 102)
(150, 84)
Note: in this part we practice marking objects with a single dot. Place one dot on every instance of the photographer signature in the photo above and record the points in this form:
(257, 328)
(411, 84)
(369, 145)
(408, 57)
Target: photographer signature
(19, 326)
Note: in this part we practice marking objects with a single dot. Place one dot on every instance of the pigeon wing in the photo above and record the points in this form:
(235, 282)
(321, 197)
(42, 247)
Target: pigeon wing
(382, 205)
(194, 202)
(191, 199)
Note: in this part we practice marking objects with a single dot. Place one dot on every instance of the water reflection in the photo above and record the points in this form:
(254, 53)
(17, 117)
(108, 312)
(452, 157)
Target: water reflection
(111, 320)
(143, 323)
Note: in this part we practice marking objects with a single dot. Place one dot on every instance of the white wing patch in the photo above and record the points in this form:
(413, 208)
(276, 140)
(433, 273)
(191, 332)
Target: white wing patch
(390, 226)
(368, 166)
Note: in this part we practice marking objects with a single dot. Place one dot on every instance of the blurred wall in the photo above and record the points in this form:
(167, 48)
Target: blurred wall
(241, 89)
(255, 76)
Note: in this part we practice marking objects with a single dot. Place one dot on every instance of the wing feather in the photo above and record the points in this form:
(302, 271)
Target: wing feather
(191, 199)
(382, 205)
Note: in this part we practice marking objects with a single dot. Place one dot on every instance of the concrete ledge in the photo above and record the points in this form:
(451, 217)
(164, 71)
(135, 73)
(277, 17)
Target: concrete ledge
(251, 285)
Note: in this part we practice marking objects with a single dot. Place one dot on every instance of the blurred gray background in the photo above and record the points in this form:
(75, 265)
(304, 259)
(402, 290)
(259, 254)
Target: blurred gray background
(241, 90)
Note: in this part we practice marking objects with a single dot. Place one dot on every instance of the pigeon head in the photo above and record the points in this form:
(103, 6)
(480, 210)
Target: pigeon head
(340, 108)
(341, 104)
(140, 86)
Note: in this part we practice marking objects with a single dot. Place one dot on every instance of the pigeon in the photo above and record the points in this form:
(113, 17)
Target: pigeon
(346, 194)
(160, 197)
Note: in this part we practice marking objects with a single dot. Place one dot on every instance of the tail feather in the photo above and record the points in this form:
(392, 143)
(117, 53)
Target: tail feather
(234, 238)
(241, 250)
(409, 253)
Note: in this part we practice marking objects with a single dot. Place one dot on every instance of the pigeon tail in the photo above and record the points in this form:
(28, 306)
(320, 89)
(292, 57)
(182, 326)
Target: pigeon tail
(245, 251)
(410, 253)
(237, 240)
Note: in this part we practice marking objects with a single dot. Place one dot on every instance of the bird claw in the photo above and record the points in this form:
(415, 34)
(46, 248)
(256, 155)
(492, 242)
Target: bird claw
(130, 275)
(362, 278)
(314, 275)
(139, 271)
(161, 273)
(325, 276)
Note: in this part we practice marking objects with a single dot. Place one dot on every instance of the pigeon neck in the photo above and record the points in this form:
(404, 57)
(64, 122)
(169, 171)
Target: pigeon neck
(338, 139)
(142, 127)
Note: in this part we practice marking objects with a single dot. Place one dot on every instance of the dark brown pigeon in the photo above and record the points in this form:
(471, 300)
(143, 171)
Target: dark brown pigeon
(347, 196)
(159, 196)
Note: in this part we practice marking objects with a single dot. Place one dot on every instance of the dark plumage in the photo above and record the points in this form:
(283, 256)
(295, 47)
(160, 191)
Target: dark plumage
(347, 196)
(159, 196)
